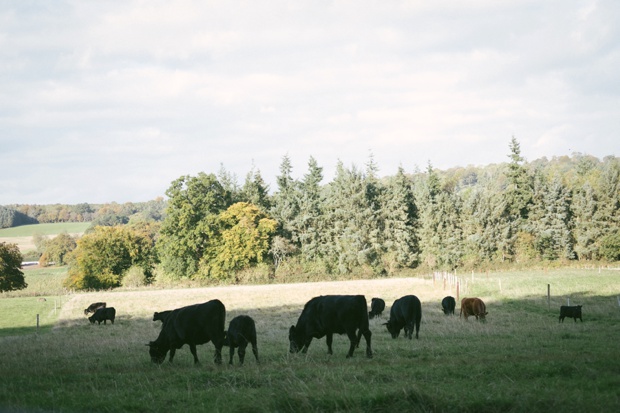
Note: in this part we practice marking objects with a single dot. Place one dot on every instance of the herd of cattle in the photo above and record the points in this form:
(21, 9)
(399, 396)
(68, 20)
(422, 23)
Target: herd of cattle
(322, 316)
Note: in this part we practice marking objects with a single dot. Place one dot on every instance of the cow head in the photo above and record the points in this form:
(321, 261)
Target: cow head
(92, 319)
(395, 332)
(296, 342)
(158, 354)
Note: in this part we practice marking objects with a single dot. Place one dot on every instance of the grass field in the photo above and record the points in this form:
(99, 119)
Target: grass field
(22, 235)
(520, 360)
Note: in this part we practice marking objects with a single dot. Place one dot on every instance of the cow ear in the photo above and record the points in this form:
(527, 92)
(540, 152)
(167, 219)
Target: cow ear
(291, 330)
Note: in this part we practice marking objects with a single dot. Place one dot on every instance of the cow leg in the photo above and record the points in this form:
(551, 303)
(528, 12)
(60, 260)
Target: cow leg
(192, 348)
(232, 353)
(241, 352)
(353, 340)
(409, 331)
(304, 350)
(255, 350)
(329, 339)
(172, 351)
(217, 358)
(367, 336)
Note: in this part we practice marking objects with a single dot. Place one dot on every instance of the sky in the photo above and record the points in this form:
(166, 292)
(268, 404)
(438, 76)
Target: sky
(111, 101)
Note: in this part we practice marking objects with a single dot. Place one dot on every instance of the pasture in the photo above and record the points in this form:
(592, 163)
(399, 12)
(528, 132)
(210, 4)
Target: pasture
(521, 359)
(22, 235)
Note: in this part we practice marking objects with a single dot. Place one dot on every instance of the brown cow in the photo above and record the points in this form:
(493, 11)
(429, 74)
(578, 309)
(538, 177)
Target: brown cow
(93, 308)
(473, 306)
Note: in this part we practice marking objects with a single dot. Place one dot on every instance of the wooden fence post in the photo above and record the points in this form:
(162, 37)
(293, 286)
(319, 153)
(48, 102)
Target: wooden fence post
(549, 295)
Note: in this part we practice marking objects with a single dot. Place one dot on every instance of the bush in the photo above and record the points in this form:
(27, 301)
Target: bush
(134, 277)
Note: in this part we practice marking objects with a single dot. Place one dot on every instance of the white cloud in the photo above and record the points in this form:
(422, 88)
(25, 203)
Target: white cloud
(133, 94)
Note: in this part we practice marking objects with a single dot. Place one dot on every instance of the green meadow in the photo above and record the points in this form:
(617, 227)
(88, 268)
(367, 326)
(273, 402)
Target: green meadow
(520, 360)
(44, 229)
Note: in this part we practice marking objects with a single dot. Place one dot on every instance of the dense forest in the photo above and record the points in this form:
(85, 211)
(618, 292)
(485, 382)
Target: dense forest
(210, 226)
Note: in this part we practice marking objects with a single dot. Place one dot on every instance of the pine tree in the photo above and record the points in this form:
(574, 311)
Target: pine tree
(310, 220)
(400, 216)
(285, 205)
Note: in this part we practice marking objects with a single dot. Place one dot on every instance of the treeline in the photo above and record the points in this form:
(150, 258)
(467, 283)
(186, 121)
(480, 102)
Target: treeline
(9, 217)
(563, 209)
(99, 214)
(567, 208)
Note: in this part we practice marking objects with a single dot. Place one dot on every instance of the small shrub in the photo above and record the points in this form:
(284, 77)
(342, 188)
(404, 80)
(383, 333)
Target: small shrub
(134, 277)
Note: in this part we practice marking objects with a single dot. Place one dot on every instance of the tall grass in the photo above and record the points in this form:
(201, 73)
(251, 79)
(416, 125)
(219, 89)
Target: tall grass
(521, 359)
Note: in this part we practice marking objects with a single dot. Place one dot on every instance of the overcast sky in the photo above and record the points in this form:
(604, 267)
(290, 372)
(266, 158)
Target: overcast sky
(105, 101)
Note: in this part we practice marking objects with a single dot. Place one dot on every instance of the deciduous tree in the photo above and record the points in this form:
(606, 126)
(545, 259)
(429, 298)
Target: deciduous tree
(11, 276)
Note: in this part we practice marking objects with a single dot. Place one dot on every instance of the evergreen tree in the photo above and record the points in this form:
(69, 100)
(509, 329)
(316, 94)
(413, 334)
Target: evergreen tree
(587, 231)
(352, 226)
(481, 225)
(255, 191)
(550, 219)
(400, 216)
(517, 198)
(308, 224)
(285, 205)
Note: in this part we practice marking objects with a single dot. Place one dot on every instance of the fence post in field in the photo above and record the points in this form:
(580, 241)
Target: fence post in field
(37, 323)
(457, 291)
(568, 301)
(549, 295)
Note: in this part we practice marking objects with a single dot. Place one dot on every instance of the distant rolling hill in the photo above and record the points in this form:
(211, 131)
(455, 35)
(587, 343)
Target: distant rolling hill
(22, 235)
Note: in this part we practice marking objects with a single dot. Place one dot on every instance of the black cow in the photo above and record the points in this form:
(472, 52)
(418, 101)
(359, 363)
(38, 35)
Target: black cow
(570, 311)
(377, 305)
(405, 312)
(448, 304)
(193, 325)
(161, 316)
(241, 331)
(103, 314)
(328, 315)
(93, 307)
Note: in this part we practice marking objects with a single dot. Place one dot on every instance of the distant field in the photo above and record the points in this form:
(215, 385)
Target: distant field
(22, 235)
(44, 229)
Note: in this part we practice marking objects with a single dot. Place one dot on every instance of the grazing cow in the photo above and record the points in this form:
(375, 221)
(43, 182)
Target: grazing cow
(473, 306)
(405, 312)
(103, 314)
(193, 325)
(328, 315)
(377, 305)
(570, 311)
(93, 307)
(241, 331)
(448, 304)
(161, 316)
